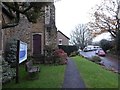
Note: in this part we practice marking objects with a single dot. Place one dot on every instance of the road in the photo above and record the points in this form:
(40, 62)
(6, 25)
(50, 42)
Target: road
(109, 62)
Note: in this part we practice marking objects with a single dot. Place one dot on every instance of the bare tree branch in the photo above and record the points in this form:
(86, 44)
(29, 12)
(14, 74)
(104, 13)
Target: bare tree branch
(81, 36)
(13, 10)
(105, 18)
(15, 23)
(16, 9)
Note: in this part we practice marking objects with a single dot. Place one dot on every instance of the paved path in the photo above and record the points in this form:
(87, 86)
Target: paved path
(72, 77)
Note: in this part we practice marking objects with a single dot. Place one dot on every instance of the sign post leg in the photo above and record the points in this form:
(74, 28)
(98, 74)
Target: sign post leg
(17, 62)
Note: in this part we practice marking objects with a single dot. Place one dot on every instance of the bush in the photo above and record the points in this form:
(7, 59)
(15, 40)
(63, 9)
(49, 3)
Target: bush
(60, 56)
(7, 72)
(68, 48)
(49, 58)
(55, 56)
(73, 54)
(48, 50)
(96, 59)
(10, 52)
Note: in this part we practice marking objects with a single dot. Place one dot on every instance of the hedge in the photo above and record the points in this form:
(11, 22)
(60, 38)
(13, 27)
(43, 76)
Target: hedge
(68, 48)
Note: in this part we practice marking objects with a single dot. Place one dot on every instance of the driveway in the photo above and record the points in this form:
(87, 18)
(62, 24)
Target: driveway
(109, 62)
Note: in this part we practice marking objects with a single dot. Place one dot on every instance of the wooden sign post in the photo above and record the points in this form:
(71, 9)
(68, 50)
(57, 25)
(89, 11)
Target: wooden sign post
(21, 56)
(17, 61)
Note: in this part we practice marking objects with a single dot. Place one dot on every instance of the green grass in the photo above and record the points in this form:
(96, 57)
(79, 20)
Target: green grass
(49, 77)
(94, 75)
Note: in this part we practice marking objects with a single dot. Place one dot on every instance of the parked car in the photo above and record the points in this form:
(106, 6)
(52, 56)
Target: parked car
(85, 49)
(88, 48)
(96, 47)
(101, 53)
(96, 52)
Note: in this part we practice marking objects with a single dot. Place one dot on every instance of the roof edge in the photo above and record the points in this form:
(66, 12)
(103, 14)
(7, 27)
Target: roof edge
(63, 34)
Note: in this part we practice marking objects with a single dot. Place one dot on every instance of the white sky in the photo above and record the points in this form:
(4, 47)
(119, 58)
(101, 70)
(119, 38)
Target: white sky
(106, 36)
(70, 13)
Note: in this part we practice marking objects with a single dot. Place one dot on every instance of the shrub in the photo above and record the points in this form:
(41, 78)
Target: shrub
(56, 56)
(60, 56)
(68, 48)
(49, 59)
(73, 54)
(96, 59)
(10, 52)
(48, 50)
(7, 72)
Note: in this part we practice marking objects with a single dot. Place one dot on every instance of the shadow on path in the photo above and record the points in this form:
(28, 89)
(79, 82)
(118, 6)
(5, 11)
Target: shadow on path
(72, 77)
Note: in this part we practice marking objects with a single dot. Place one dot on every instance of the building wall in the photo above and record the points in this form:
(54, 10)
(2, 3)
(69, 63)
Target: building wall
(0, 42)
(37, 28)
(24, 32)
(64, 40)
(50, 27)
(0, 32)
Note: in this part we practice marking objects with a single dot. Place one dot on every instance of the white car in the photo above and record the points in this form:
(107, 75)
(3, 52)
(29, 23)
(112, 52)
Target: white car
(88, 48)
(96, 47)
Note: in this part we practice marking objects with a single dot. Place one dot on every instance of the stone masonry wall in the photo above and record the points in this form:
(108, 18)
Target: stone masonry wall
(51, 37)
(51, 30)
(24, 32)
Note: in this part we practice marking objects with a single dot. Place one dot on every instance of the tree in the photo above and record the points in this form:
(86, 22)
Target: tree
(105, 18)
(81, 36)
(105, 44)
(32, 10)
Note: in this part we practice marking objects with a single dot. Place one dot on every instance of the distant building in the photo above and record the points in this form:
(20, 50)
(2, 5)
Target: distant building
(62, 39)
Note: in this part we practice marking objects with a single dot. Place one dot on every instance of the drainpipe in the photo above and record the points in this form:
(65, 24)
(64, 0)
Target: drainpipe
(44, 38)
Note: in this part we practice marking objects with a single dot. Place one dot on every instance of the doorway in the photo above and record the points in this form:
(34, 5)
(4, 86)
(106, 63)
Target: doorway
(37, 44)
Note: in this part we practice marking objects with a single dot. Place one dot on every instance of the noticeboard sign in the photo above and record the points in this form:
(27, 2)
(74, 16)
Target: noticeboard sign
(22, 52)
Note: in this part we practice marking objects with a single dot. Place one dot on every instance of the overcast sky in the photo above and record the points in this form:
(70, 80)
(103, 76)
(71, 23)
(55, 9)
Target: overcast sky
(70, 13)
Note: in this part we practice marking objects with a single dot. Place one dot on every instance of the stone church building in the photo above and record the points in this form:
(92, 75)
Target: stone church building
(36, 35)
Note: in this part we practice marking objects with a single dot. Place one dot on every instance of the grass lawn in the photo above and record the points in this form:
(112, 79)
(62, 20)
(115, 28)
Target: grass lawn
(49, 77)
(94, 75)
